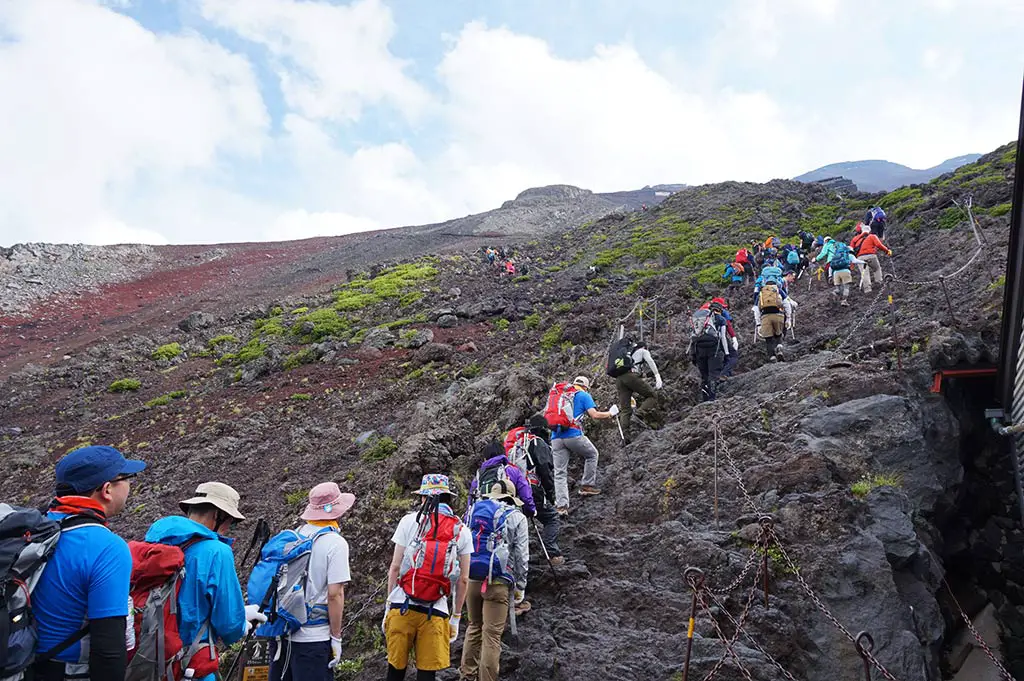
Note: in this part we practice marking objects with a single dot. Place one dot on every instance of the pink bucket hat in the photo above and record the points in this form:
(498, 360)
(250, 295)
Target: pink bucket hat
(327, 502)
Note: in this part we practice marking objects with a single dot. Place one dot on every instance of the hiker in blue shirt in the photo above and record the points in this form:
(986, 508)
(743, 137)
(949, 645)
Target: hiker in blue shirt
(87, 577)
(572, 441)
(210, 603)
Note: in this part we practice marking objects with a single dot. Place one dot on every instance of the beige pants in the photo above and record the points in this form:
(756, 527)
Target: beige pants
(488, 612)
(871, 269)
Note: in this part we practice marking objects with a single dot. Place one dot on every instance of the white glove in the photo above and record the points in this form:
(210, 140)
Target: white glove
(613, 410)
(336, 652)
(253, 614)
(384, 622)
(735, 343)
(657, 383)
(520, 596)
(453, 628)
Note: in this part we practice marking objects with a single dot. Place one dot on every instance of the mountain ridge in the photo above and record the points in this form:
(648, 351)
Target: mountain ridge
(874, 175)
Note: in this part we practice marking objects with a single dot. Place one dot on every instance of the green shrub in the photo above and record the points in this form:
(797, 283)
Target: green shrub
(276, 311)
(303, 356)
(551, 338)
(124, 385)
(599, 282)
(390, 283)
(950, 218)
(169, 351)
(608, 258)
(300, 310)
(712, 274)
(521, 278)
(269, 327)
(410, 298)
(563, 308)
(325, 323)
(532, 321)
(899, 196)
(501, 324)
(354, 300)
(219, 340)
(298, 497)
(472, 371)
(381, 449)
(178, 394)
(159, 401)
(999, 283)
(904, 209)
(862, 487)
(716, 255)
(1001, 209)
(301, 397)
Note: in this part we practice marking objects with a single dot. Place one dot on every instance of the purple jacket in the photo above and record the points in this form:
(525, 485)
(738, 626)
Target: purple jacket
(516, 476)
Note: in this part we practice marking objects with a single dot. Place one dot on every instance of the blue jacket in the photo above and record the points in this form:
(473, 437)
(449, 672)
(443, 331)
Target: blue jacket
(730, 272)
(516, 477)
(210, 590)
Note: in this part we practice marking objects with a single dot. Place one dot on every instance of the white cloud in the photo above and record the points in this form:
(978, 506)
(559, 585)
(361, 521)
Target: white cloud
(107, 231)
(301, 224)
(94, 104)
(332, 60)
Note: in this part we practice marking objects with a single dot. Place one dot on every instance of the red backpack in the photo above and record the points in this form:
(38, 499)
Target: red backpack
(431, 560)
(743, 256)
(517, 452)
(159, 652)
(559, 410)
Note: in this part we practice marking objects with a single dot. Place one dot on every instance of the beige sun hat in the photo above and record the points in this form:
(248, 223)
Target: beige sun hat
(582, 381)
(502, 490)
(218, 495)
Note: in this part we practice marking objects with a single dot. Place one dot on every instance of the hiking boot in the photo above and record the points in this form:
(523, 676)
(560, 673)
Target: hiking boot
(557, 561)
(589, 491)
(845, 303)
(523, 607)
(779, 353)
(773, 358)
(562, 510)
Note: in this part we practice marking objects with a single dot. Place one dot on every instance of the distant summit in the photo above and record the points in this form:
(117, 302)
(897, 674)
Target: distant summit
(879, 176)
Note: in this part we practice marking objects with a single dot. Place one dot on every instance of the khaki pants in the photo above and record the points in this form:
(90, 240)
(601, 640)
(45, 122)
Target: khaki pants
(488, 612)
(626, 385)
(872, 269)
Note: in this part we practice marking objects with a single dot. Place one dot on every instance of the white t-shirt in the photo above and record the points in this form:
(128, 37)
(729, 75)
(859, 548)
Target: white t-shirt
(328, 564)
(405, 534)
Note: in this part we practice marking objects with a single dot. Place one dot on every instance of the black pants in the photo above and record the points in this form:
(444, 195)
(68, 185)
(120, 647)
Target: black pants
(547, 516)
(305, 661)
(709, 363)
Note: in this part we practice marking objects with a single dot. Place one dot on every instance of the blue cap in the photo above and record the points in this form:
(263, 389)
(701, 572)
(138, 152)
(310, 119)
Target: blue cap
(87, 468)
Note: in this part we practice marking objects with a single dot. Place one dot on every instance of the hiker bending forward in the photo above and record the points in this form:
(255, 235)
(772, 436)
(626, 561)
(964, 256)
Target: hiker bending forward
(633, 382)
(566, 441)
(432, 550)
(501, 559)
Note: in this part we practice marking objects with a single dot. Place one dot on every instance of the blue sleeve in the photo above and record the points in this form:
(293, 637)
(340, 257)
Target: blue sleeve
(109, 581)
(227, 609)
(586, 402)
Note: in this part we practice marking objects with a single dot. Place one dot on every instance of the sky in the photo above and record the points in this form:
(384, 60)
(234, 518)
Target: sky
(205, 121)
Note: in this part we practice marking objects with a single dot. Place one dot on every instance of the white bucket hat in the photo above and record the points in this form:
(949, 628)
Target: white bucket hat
(218, 495)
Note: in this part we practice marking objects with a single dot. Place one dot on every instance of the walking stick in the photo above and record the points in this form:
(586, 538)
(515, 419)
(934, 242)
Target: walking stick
(622, 434)
(554, 574)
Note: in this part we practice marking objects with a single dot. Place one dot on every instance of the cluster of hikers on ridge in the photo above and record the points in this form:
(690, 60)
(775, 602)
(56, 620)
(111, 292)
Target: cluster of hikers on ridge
(80, 602)
(501, 260)
(772, 268)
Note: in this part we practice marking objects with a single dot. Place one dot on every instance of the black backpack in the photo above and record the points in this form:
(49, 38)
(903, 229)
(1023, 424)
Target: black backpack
(486, 477)
(620, 358)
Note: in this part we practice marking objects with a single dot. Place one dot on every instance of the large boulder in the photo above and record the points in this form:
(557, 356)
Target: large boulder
(415, 338)
(379, 338)
(485, 307)
(196, 321)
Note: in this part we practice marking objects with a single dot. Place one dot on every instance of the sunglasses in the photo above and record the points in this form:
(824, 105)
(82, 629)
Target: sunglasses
(123, 477)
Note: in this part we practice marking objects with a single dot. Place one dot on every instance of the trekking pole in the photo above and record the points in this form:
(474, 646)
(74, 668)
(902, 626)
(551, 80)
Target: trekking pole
(260, 536)
(619, 424)
(554, 574)
(265, 605)
(695, 576)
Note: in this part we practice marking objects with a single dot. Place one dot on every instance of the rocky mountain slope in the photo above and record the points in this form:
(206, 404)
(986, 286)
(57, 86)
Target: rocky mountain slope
(289, 371)
(877, 176)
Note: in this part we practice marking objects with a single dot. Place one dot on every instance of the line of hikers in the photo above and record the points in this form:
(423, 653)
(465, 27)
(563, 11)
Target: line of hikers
(501, 259)
(772, 268)
(80, 602)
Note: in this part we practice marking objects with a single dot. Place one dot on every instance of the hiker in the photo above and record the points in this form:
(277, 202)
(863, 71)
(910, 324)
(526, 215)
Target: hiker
(736, 274)
(770, 311)
(709, 347)
(496, 466)
(733, 358)
(510, 268)
(792, 259)
(772, 243)
(866, 246)
(629, 380)
(788, 303)
(314, 650)
(432, 550)
(746, 259)
(81, 602)
(876, 219)
(540, 472)
(210, 603)
(500, 562)
(806, 240)
(567, 405)
(839, 263)
(828, 247)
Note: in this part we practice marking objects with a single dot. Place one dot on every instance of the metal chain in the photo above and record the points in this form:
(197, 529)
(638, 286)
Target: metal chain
(821, 606)
(730, 642)
(739, 580)
(977, 635)
(752, 640)
(371, 601)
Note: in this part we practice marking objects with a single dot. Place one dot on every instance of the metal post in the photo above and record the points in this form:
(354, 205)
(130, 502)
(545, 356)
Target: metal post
(895, 335)
(864, 643)
(949, 303)
(695, 576)
(766, 522)
(654, 332)
(716, 478)
(640, 316)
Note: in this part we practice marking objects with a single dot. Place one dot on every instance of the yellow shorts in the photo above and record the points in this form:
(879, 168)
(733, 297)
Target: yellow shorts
(429, 636)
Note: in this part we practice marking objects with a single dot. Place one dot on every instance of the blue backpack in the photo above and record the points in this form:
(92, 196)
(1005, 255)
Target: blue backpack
(793, 258)
(491, 553)
(841, 259)
(877, 214)
(772, 274)
(278, 584)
